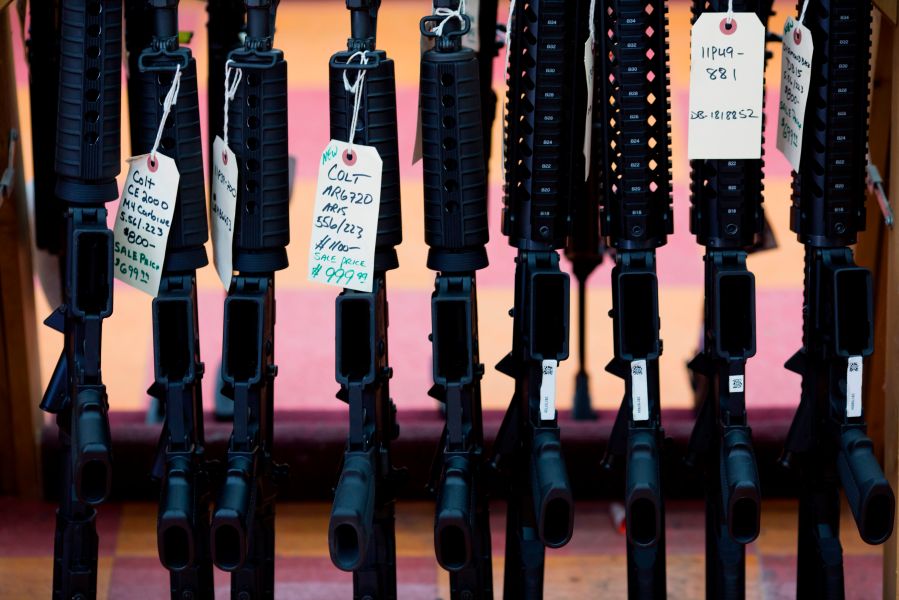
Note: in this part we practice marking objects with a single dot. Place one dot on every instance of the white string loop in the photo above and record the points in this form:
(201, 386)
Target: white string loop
(507, 43)
(802, 12)
(230, 92)
(730, 12)
(356, 90)
(448, 15)
(592, 22)
(171, 98)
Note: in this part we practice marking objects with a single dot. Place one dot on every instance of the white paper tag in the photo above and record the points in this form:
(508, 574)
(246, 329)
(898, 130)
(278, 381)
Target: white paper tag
(726, 87)
(588, 120)
(143, 221)
(222, 208)
(796, 67)
(345, 217)
(735, 384)
(854, 372)
(639, 391)
(472, 39)
(548, 390)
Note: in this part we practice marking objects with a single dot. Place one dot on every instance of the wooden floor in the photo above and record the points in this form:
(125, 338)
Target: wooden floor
(592, 566)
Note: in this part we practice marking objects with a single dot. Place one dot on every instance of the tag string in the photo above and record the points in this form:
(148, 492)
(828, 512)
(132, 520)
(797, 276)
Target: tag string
(448, 15)
(356, 90)
(507, 43)
(730, 11)
(805, 4)
(592, 22)
(171, 98)
(230, 92)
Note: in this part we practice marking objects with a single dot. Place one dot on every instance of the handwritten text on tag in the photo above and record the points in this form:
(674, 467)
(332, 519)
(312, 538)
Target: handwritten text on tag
(796, 67)
(345, 217)
(727, 63)
(222, 208)
(143, 221)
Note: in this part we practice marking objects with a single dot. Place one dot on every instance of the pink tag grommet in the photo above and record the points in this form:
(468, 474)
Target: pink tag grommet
(152, 164)
(224, 157)
(349, 159)
(728, 28)
(797, 36)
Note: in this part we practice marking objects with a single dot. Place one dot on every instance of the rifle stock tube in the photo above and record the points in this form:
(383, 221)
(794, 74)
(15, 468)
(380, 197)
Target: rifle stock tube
(453, 537)
(350, 528)
(643, 495)
(553, 501)
(867, 490)
(741, 485)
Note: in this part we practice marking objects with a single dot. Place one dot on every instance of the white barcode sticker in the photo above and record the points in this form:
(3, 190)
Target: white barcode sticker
(727, 69)
(735, 384)
(854, 386)
(548, 390)
(144, 219)
(796, 73)
(639, 391)
(222, 208)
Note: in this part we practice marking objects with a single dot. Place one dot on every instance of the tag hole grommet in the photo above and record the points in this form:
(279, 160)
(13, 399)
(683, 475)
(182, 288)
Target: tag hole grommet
(224, 157)
(349, 158)
(797, 36)
(152, 164)
(728, 28)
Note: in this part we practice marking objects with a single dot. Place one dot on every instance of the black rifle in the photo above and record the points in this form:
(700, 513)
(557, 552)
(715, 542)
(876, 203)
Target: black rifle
(361, 530)
(87, 163)
(488, 49)
(456, 230)
(183, 521)
(544, 161)
(243, 521)
(223, 35)
(223, 28)
(728, 219)
(585, 250)
(827, 439)
(43, 80)
(636, 219)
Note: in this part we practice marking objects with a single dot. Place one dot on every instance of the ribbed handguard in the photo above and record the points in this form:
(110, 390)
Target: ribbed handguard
(376, 126)
(636, 211)
(829, 190)
(88, 148)
(257, 134)
(181, 142)
(726, 195)
(455, 181)
(538, 134)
